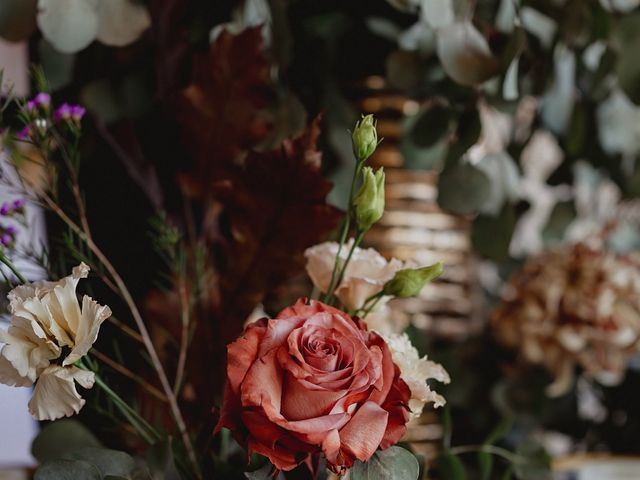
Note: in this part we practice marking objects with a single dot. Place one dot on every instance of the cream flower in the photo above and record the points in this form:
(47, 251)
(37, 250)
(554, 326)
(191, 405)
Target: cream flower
(366, 273)
(46, 322)
(415, 371)
(576, 306)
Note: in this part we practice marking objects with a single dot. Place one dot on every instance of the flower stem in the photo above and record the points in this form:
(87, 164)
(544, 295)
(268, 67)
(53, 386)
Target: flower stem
(492, 449)
(357, 241)
(346, 224)
(5, 260)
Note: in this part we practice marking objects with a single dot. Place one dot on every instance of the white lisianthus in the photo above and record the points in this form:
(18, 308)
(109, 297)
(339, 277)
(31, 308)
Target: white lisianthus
(47, 321)
(366, 273)
(415, 371)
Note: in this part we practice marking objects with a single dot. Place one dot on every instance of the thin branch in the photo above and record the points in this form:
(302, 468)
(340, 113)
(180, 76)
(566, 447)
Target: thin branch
(184, 339)
(129, 374)
(142, 328)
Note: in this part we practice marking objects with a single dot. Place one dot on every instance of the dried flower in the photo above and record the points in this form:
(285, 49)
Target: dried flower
(575, 306)
(48, 334)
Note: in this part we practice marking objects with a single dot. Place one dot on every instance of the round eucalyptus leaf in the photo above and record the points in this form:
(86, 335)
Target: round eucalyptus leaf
(61, 438)
(430, 126)
(70, 25)
(67, 470)
(505, 181)
(121, 22)
(463, 188)
(465, 54)
(17, 19)
(108, 462)
(394, 463)
(57, 66)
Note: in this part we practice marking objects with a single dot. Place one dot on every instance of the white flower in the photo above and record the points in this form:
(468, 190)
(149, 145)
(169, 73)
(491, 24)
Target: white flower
(366, 273)
(415, 371)
(46, 322)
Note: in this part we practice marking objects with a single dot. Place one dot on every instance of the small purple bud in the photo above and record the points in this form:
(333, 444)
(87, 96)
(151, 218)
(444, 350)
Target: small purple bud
(63, 112)
(18, 204)
(77, 112)
(25, 133)
(11, 230)
(31, 106)
(4, 209)
(6, 240)
(42, 99)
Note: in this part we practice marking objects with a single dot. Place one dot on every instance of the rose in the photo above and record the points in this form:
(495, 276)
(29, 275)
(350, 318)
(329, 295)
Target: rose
(313, 380)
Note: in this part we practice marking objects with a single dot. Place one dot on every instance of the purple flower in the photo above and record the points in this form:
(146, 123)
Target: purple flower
(31, 106)
(25, 132)
(18, 204)
(5, 209)
(77, 112)
(69, 112)
(6, 240)
(42, 99)
(11, 230)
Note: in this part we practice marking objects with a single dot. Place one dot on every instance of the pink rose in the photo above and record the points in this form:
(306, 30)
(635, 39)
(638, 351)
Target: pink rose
(313, 380)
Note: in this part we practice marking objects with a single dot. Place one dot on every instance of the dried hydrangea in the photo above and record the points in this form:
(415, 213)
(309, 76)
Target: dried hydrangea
(574, 306)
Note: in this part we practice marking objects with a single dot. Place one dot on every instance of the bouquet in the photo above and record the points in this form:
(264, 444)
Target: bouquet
(316, 387)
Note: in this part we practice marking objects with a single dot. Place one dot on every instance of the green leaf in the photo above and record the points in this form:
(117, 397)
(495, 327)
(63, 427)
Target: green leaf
(561, 216)
(67, 470)
(627, 67)
(17, 19)
(161, 462)
(70, 25)
(451, 468)
(60, 438)
(491, 235)
(533, 463)
(108, 462)
(394, 463)
(57, 66)
(430, 126)
(463, 189)
(263, 473)
(485, 459)
(505, 180)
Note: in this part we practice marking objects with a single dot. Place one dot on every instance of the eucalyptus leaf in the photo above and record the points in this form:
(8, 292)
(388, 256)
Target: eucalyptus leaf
(161, 462)
(263, 473)
(464, 189)
(17, 19)
(533, 462)
(57, 66)
(67, 470)
(465, 54)
(108, 462)
(491, 235)
(70, 25)
(505, 180)
(61, 438)
(394, 463)
(121, 22)
(451, 468)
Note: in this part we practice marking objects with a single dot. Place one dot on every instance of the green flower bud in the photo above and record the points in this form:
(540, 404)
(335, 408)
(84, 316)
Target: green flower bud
(409, 282)
(364, 138)
(369, 202)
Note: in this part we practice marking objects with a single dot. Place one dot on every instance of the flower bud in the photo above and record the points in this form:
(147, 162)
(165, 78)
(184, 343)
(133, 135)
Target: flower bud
(369, 202)
(409, 282)
(364, 138)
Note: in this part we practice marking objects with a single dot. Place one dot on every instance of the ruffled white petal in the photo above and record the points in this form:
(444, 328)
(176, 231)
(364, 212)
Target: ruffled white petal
(10, 376)
(93, 315)
(55, 395)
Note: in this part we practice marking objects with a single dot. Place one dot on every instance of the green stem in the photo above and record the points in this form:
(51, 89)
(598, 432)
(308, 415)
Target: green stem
(366, 310)
(500, 452)
(356, 242)
(4, 259)
(346, 223)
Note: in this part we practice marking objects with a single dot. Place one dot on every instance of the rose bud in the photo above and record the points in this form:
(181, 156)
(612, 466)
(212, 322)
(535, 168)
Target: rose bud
(369, 202)
(409, 282)
(364, 138)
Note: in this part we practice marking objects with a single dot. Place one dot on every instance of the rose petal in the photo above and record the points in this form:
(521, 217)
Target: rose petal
(361, 437)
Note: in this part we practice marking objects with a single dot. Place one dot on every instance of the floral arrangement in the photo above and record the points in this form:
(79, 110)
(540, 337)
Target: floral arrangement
(315, 385)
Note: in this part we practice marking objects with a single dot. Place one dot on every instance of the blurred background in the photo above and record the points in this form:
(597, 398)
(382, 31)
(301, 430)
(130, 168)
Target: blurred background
(511, 136)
